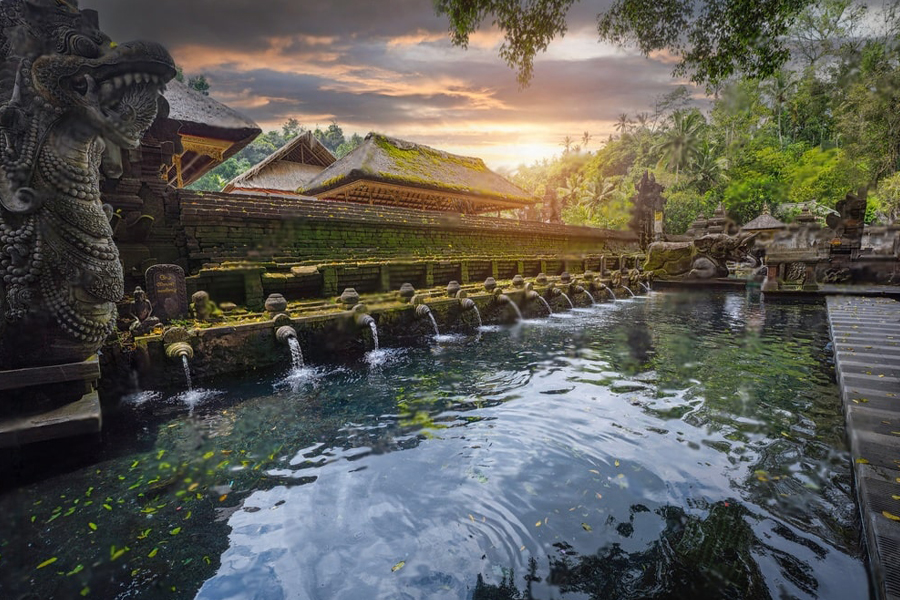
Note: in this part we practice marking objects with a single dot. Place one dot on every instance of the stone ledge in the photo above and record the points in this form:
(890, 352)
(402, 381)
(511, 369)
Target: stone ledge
(81, 417)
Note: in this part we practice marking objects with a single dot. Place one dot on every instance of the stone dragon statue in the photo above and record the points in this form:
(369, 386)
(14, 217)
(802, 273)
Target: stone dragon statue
(68, 95)
(703, 258)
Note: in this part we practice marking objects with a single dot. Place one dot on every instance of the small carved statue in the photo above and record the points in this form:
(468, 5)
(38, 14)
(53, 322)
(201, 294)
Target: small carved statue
(142, 311)
(203, 309)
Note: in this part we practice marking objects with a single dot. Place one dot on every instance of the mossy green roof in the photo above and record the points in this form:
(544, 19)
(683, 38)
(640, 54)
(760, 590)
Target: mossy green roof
(389, 160)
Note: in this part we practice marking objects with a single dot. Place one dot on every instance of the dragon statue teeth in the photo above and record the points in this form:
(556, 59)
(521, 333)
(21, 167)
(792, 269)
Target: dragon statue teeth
(67, 94)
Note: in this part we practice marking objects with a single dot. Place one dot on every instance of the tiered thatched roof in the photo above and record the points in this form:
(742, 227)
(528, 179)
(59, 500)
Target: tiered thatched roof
(286, 170)
(392, 172)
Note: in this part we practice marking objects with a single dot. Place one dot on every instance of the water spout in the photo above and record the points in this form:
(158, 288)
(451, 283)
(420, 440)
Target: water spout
(422, 311)
(645, 286)
(288, 335)
(184, 352)
(608, 289)
(468, 304)
(590, 296)
(569, 300)
(532, 295)
(504, 299)
(627, 289)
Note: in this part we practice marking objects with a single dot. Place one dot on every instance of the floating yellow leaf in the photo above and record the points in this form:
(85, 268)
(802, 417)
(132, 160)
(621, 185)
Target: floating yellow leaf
(862, 461)
(595, 471)
(471, 518)
(617, 463)
(93, 526)
(890, 516)
(85, 591)
(895, 497)
(538, 524)
(398, 566)
(175, 531)
(75, 571)
(153, 553)
(49, 561)
(586, 527)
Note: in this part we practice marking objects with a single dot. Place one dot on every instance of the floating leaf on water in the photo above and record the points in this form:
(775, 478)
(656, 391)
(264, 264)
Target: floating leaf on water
(175, 531)
(116, 554)
(222, 497)
(144, 534)
(85, 591)
(538, 524)
(890, 516)
(75, 571)
(895, 497)
(398, 566)
(471, 518)
(47, 562)
(93, 526)
(208, 455)
(862, 461)
(616, 463)
(599, 496)
(153, 553)
(107, 507)
(586, 527)
(595, 471)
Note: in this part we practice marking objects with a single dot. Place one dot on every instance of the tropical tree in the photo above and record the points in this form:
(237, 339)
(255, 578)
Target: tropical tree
(680, 142)
(778, 88)
(623, 124)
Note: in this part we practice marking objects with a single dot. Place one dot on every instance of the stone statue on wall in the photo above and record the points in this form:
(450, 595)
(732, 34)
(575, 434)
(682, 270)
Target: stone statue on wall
(68, 96)
(648, 203)
(704, 258)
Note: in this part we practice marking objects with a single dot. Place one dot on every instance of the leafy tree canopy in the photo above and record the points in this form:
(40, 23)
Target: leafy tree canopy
(714, 39)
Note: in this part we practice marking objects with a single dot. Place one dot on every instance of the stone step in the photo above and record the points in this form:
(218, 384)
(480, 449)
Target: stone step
(81, 417)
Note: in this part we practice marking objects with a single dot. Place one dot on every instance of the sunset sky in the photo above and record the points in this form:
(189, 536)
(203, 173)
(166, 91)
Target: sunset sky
(388, 66)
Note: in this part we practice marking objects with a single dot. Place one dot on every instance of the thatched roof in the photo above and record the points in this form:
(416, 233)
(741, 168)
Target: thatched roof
(392, 172)
(209, 131)
(287, 169)
(763, 222)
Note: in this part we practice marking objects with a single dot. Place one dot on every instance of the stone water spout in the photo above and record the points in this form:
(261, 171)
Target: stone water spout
(286, 334)
(364, 320)
(423, 311)
(577, 289)
(184, 352)
(558, 292)
(612, 294)
(504, 299)
(467, 304)
(531, 296)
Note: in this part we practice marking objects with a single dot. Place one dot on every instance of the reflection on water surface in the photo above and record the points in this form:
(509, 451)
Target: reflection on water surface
(665, 447)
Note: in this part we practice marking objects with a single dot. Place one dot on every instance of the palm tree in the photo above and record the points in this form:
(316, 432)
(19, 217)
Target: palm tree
(680, 142)
(623, 124)
(707, 166)
(571, 190)
(567, 144)
(643, 120)
(585, 138)
(779, 88)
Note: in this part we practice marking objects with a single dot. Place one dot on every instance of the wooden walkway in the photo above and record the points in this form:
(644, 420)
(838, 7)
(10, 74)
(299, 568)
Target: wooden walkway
(866, 336)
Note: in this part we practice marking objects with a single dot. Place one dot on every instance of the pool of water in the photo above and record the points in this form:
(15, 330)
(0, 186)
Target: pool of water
(671, 446)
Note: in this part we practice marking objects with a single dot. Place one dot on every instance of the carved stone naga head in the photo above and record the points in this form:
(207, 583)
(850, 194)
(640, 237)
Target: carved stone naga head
(68, 94)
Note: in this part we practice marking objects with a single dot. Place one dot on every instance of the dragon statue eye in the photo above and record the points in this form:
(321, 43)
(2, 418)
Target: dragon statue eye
(80, 45)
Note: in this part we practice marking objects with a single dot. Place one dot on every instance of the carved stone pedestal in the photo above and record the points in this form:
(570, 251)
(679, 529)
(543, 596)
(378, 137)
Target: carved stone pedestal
(37, 405)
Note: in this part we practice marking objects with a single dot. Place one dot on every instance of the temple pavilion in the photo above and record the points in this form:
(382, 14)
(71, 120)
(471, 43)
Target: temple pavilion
(388, 171)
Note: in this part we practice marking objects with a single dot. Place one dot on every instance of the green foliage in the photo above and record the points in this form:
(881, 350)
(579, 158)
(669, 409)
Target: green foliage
(714, 39)
(885, 201)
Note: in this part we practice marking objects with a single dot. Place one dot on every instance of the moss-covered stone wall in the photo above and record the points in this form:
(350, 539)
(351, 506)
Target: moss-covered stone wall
(230, 227)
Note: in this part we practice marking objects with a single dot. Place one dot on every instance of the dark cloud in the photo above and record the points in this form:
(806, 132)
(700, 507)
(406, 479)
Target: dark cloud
(389, 66)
